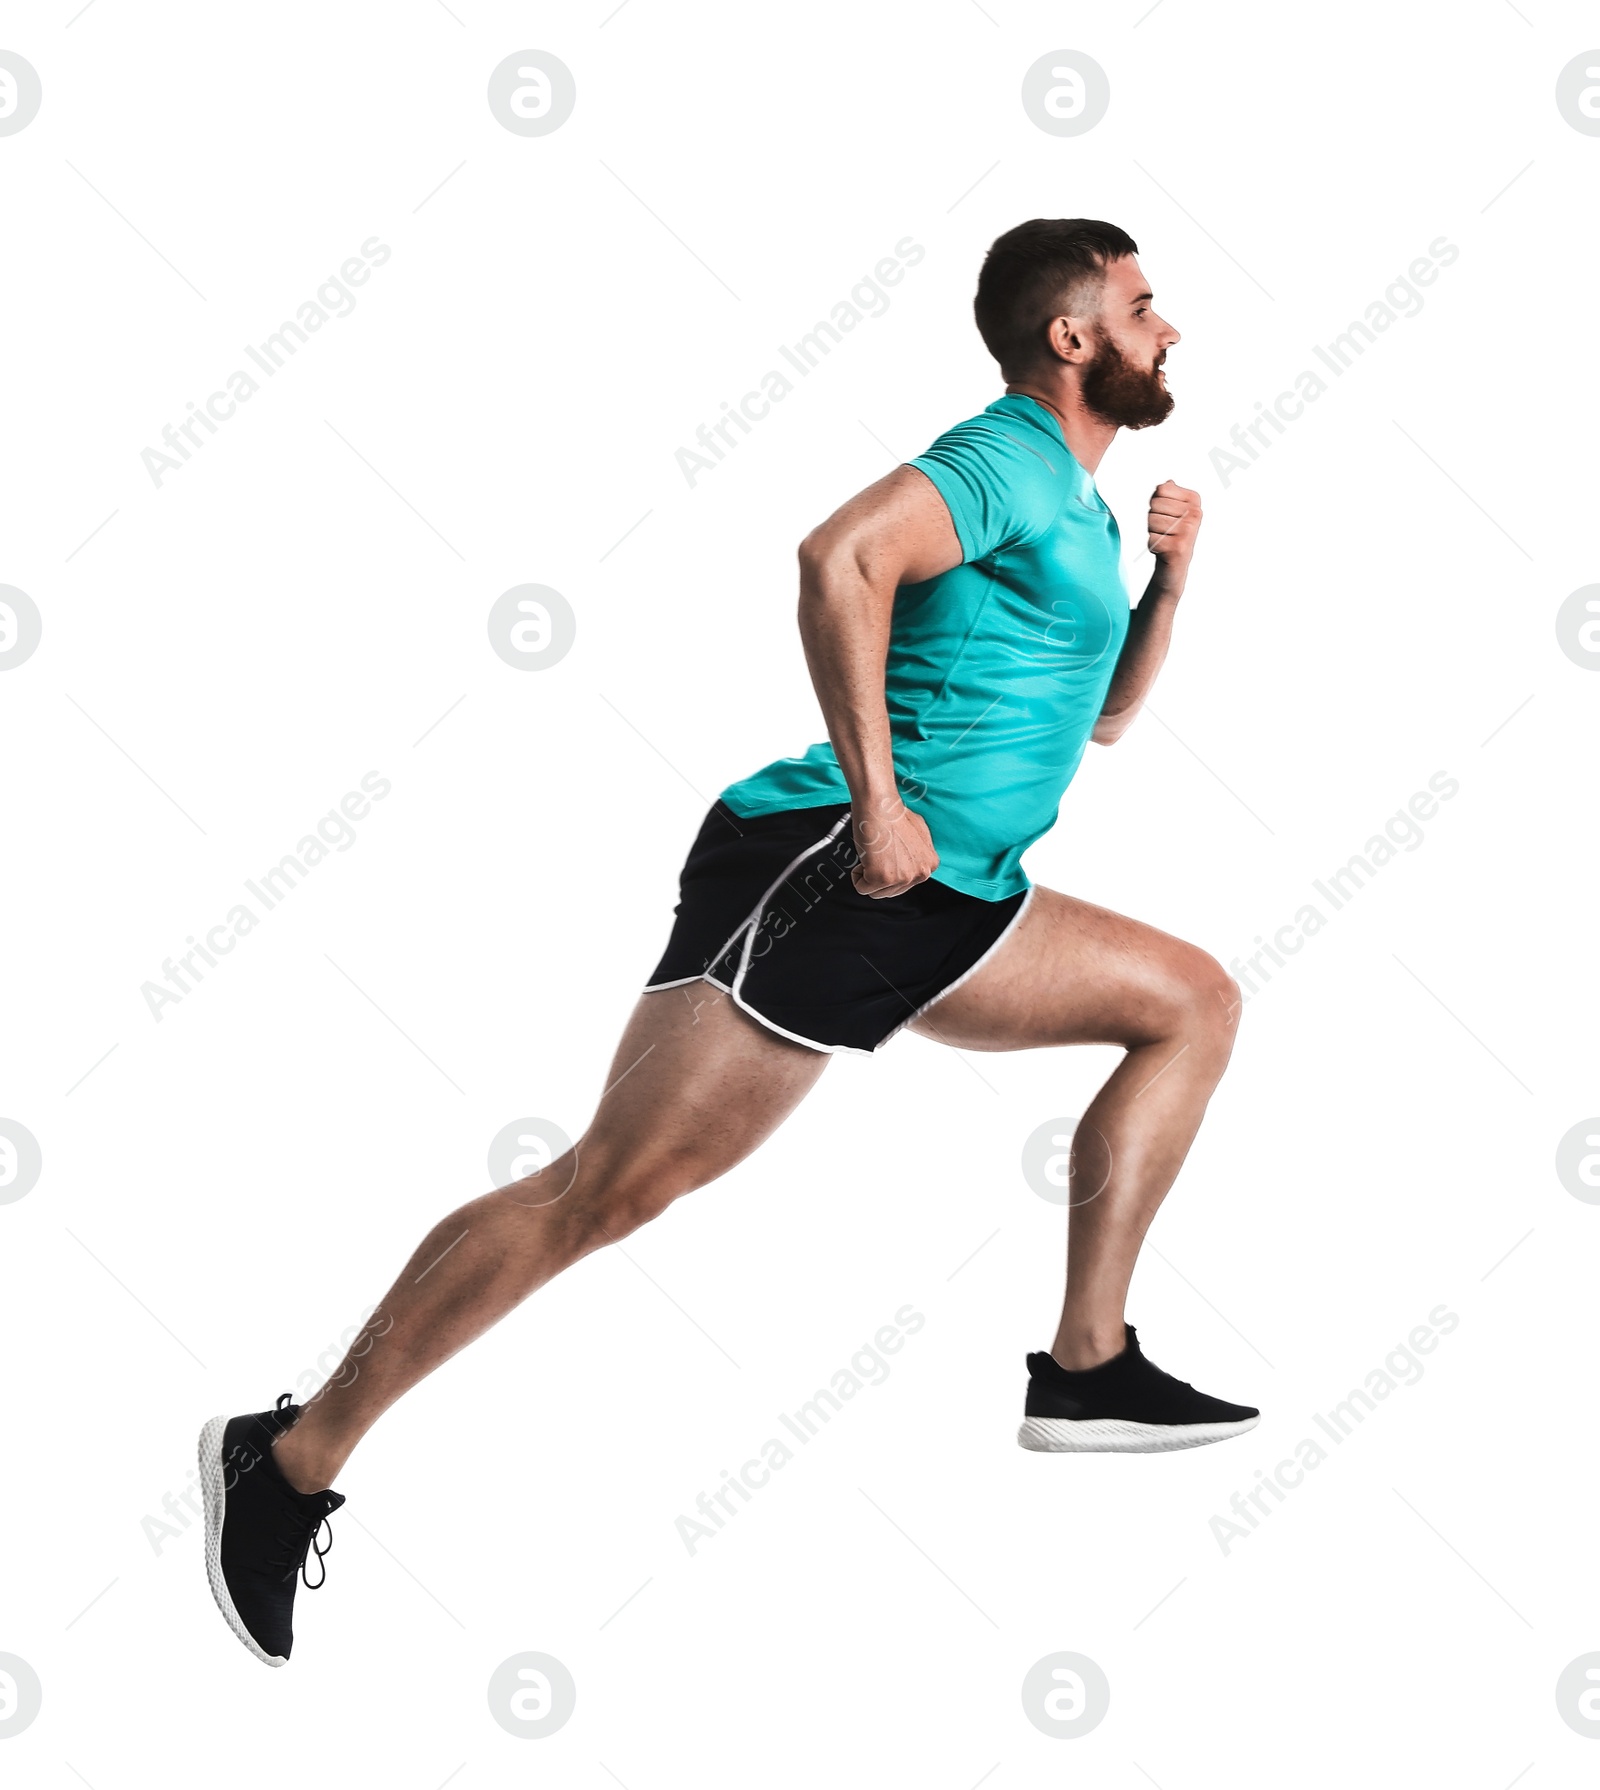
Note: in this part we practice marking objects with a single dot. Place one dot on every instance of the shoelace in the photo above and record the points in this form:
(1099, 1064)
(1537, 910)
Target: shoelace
(302, 1532)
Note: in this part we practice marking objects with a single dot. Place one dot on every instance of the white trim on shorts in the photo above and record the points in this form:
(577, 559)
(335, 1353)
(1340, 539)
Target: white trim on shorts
(684, 981)
(951, 987)
(747, 928)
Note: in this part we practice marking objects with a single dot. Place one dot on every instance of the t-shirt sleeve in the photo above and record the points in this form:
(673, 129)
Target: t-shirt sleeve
(999, 491)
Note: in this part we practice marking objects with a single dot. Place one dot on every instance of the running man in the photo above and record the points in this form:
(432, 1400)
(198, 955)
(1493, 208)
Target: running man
(968, 633)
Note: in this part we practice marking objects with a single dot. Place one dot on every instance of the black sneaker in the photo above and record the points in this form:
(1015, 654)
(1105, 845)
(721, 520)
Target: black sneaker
(259, 1530)
(1124, 1406)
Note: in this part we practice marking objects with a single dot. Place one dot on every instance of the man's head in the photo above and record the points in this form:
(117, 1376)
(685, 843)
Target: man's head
(1060, 294)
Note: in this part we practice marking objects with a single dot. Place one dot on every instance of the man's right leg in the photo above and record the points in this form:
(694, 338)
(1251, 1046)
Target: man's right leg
(695, 1087)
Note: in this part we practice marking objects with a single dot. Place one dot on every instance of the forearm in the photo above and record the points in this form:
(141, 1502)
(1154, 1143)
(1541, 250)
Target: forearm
(844, 628)
(1143, 654)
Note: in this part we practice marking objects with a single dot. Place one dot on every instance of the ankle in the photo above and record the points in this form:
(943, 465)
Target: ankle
(1088, 1346)
(301, 1465)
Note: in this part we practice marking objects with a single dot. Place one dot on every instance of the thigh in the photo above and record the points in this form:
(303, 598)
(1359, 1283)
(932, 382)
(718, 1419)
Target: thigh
(1074, 973)
(695, 1080)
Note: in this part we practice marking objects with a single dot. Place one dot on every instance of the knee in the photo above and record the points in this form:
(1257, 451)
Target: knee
(1205, 1004)
(623, 1194)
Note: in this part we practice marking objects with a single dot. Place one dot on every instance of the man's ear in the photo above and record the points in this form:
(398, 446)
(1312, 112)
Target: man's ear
(1069, 340)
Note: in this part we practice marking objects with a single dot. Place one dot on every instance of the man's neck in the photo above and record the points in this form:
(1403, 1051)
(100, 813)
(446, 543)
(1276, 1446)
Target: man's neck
(1087, 436)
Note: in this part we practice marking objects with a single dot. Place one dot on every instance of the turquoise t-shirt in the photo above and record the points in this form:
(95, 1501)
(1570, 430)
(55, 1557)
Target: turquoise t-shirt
(997, 669)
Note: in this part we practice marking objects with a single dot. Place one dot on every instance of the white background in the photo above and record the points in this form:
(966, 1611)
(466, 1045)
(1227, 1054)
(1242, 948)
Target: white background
(233, 650)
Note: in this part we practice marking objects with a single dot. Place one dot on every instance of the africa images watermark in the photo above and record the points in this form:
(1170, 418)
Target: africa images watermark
(1400, 299)
(332, 299)
(866, 298)
(1401, 832)
(1400, 1367)
(271, 887)
(866, 1367)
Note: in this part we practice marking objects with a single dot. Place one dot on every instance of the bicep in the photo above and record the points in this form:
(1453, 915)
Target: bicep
(897, 531)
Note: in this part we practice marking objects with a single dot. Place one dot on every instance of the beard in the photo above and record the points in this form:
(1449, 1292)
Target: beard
(1130, 396)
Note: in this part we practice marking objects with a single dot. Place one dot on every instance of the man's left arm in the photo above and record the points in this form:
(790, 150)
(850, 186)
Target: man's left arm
(1172, 527)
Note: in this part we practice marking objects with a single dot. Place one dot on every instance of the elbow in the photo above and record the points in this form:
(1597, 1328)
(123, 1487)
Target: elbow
(816, 560)
(829, 565)
(820, 554)
(811, 553)
(1110, 728)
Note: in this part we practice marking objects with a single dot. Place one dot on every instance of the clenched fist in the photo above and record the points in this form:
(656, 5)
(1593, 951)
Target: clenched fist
(1173, 524)
(894, 846)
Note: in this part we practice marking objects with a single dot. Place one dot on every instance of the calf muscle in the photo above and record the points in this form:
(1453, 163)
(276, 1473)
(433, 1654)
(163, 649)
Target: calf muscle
(1073, 973)
(695, 1086)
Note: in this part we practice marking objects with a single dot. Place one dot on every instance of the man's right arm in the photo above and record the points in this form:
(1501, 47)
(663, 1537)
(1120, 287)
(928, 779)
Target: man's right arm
(896, 532)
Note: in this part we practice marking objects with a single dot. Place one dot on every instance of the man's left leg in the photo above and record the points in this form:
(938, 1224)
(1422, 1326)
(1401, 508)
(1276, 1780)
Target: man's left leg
(1073, 973)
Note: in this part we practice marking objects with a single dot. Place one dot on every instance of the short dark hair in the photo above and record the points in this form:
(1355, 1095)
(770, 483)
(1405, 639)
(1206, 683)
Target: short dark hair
(1029, 274)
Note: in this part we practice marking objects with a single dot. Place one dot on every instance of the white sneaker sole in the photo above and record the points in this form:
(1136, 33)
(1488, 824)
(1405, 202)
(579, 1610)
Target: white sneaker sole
(211, 1480)
(1118, 1435)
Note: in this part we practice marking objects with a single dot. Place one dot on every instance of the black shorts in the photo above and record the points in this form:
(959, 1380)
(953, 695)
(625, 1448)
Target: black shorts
(768, 914)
